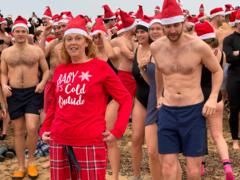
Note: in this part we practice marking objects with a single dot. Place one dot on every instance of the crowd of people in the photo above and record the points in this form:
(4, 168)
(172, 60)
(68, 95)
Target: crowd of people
(73, 85)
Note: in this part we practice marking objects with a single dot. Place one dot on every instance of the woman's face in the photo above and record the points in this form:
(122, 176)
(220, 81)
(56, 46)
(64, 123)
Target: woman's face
(97, 40)
(142, 36)
(156, 31)
(75, 44)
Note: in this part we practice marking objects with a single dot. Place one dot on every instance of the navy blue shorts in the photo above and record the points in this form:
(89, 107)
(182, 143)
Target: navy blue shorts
(182, 130)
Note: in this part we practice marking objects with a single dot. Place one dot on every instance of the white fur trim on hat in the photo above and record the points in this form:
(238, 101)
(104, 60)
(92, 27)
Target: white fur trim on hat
(130, 27)
(65, 21)
(228, 12)
(113, 17)
(221, 13)
(45, 16)
(142, 23)
(208, 36)
(237, 21)
(232, 24)
(20, 25)
(172, 20)
(96, 32)
(76, 31)
(155, 21)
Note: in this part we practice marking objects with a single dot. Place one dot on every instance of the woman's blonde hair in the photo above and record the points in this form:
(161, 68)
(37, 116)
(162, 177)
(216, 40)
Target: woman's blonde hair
(90, 51)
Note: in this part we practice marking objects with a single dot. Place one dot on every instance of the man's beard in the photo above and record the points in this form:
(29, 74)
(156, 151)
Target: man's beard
(176, 37)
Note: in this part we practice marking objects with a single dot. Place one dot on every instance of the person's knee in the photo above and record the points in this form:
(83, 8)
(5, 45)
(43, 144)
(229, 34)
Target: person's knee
(193, 172)
(137, 140)
(153, 154)
(217, 136)
(169, 169)
(32, 131)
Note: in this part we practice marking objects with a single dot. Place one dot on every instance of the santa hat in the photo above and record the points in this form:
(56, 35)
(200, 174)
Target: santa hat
(56, 18)
(65, 17)
(157, 8)
(205, 30)
(98, 27)
(228, 9)
(2, 20)
(20, 22)
(171, 12)
(139, 14)
(145, 21)
(201, 8)
(201, 16)
(216, 11)
(77, 25)
(232, 18)
(192, 20)
(108, 14)
(237, 17)
(128, 22)
(156, 19)
(47, 13)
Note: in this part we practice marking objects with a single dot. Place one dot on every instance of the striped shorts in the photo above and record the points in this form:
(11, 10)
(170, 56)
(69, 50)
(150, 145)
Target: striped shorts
(84, 163)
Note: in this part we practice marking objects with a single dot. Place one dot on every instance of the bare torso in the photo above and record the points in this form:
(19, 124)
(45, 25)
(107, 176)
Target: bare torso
(22, 66)
(55, 58)
(180, 66)
(125, 63)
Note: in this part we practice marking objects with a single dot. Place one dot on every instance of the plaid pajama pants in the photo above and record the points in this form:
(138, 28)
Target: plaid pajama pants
(85, 163)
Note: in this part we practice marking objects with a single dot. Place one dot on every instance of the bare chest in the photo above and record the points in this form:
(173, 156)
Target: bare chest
(182, 62)
(25, 58)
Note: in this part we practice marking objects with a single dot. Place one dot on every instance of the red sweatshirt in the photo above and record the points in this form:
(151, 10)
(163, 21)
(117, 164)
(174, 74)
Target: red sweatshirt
(77, 115)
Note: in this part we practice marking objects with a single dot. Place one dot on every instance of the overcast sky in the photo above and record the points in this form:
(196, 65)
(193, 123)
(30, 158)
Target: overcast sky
(94, 7)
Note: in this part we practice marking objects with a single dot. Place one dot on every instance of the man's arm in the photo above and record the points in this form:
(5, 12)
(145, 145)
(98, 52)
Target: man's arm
(4, 76)
(45, 70)
(210, 61)
(158, 75)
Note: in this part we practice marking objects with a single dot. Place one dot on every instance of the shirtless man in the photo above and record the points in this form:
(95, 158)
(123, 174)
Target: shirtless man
(53, 55)
(5, 42)
(21, 87)
(126, 46)
(181, 127)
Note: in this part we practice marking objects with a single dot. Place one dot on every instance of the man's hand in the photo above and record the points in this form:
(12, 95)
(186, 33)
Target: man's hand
(39, 88)
(7, 90)
(46, 137)
(159, 102)
(236, 53)
(108, 137)
(209, 107)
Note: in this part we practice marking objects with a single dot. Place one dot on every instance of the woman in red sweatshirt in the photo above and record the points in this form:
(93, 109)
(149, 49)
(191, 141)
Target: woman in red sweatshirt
(75, 123)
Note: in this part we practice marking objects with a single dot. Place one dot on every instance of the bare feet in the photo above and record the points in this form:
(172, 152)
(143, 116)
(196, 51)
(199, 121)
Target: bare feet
(235, 145)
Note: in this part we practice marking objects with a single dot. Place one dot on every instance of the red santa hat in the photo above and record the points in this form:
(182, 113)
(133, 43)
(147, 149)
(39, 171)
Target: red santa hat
(232, 18)
(139, 14)
(156, 19)
(201, 16)
(77, 25)
(192, 20)
(237, 17)
(56, 18)
(228, 9)
(157, 8)
(20, 22)
(98, 27)
(2, 20)
(65, 17)
(108, 14)
(201, 8)
(171, 12)
(128, 22)
(217, 11)
(205, 30)
(47, 13)
(145, 21)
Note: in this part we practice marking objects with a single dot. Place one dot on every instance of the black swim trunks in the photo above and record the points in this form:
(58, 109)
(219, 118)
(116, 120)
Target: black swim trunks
(22, 101)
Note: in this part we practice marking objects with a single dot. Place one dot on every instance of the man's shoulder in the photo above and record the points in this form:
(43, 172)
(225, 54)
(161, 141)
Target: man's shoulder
(161, 42)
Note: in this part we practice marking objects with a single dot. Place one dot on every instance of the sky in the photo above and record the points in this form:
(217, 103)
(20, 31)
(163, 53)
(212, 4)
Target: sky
(92, 8)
